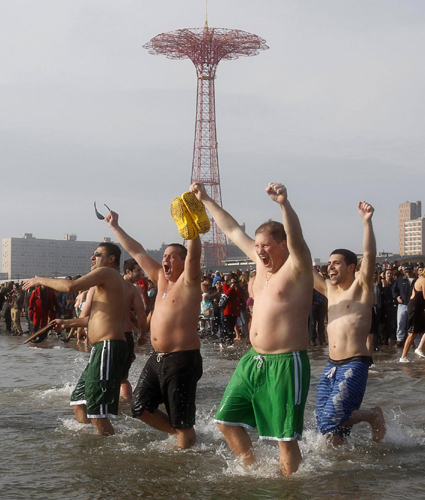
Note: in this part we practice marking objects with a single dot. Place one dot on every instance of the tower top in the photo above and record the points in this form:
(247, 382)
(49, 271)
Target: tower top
(206, 45)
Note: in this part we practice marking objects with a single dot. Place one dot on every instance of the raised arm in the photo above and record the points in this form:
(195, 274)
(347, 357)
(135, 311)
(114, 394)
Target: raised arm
(320, 283)
(369, 245)
(298, 249)
(225, 221)
(134, 248)
(192, 265)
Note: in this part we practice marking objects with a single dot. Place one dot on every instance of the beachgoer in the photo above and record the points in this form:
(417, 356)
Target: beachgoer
(43, 307)
(173, 370)
(402, 290)
(18, 302)
(6, 312)
(388, 318)
(270, 385)
(96, 395)
(343, 382)
(231, 310)
(135, 319)
(416, 318)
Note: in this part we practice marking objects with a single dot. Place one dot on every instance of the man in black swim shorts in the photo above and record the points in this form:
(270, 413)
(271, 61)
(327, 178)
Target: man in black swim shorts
(173, 370)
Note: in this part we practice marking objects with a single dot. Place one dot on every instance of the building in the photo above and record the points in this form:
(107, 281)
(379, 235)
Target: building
(407, 212)
(29, 256)
(414, 236)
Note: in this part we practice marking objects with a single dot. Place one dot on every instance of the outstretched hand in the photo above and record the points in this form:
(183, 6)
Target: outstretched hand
(365, 210)
(277, 192)
(31, 283)
(57, 324)
(112, 219)
(199, 190)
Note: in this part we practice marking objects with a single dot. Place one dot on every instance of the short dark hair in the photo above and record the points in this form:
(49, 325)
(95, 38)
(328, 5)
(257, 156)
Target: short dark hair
(182, 249)
(129, 265)
(274, 229)
(112, 249)
(349, 256)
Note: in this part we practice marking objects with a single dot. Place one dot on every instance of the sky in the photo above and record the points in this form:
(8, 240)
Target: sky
(334, 110)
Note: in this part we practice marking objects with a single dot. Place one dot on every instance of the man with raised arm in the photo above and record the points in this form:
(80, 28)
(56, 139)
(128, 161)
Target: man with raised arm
(173, 370)
(270, 385)
(350, 298)
(96, 395)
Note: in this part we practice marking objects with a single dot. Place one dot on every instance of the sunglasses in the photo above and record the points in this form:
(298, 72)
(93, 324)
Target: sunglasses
(99, 215)
(97, 254)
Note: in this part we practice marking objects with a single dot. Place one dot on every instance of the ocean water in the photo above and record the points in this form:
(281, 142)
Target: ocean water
(46, 454)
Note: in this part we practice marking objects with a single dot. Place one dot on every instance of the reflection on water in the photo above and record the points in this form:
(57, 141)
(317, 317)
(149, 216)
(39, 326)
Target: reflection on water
(47, 454)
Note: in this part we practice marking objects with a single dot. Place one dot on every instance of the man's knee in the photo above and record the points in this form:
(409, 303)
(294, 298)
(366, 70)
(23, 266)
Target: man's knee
(225, 429)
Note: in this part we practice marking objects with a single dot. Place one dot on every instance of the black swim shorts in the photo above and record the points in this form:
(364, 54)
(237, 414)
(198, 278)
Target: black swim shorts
(131, 356)
(169, 378)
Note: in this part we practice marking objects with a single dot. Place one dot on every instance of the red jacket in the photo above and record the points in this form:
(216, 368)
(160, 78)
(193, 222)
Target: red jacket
(233, 307)
(42, 305)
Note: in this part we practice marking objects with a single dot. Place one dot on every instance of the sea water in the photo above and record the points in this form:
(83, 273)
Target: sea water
(46, 454)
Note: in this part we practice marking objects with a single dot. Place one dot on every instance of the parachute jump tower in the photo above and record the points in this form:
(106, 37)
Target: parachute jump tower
(206, 47)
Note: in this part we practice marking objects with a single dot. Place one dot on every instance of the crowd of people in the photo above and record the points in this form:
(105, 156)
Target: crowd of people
(281, 308)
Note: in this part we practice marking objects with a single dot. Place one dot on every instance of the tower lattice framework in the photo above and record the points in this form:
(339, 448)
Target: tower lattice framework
(206, 47)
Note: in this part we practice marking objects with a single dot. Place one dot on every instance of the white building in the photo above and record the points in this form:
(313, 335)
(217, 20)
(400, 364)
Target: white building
(28, 256)
(414, 236)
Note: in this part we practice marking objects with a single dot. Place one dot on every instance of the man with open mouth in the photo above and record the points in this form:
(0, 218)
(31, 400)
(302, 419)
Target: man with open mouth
(269, 387)
(350, 299)
(173, 370)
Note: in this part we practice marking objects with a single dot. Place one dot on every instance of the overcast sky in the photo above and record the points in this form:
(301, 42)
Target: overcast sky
(334, 109)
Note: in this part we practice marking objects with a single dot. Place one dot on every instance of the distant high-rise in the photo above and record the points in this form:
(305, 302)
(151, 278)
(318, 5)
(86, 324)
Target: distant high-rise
(411, 240)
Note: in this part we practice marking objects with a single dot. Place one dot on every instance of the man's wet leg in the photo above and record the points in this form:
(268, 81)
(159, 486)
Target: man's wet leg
(80, 412)
(158, 420)
(239, 442)
(103, 426)
(126, 392)
(290, 457)
(186, 438)
(374, 416)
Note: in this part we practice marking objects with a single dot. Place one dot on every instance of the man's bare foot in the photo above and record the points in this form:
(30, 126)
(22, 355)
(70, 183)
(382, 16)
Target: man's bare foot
(378, 425)
(335, 440)
(249, 460)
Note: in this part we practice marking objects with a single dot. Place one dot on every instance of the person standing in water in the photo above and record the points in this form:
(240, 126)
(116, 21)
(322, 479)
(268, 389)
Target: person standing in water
(350, 298)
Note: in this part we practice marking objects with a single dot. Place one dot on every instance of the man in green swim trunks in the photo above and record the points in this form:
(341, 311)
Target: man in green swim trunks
(270, 385)
(96, 396)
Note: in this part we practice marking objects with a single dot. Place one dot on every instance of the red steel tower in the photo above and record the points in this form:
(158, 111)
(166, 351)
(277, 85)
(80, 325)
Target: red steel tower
(206, 47)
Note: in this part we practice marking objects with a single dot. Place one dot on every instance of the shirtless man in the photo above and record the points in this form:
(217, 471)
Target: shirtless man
(173, 370)
(96, 395)
(270, 385)
(350, 298)
(135, 318)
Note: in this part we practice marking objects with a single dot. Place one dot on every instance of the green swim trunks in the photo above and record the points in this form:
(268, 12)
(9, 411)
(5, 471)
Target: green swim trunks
(268, 391)
(99, 384)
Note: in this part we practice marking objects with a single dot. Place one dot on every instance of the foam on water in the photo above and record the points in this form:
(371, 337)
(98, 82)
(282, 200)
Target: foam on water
(55, 392)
